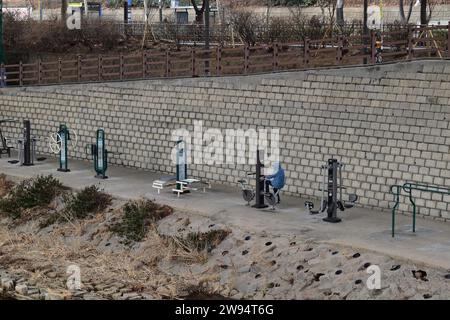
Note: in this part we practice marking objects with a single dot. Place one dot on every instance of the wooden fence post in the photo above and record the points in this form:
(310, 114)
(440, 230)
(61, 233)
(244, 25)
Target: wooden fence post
(167, 63)
(3, 74)
(448, 39)
(275, 57)
(246, 58)
(410, 43)
(219, 61)
(79, 68)
(59, 70)
(39, 70)
(193, 62)
(100, 65)
(144, 64)
(339, 50)
(20, 73)
(306, 52)
(373, 49)
(121, 66)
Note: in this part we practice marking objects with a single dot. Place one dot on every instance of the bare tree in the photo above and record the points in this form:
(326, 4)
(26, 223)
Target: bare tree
(199, 11)
(64, 9)
(426, 10)
(328, 8)
(431, 5)
(245, 22)
(365, 27)
(340, 12)
(149, 11)
(405, 18)
(423, 12)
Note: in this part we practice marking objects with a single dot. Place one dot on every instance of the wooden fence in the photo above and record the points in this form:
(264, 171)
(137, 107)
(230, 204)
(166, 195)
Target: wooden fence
(410, 43)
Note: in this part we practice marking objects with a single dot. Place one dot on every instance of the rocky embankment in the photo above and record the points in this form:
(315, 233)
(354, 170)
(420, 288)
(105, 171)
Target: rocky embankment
(133, 251)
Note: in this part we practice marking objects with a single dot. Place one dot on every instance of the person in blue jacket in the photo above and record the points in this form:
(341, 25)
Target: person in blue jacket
(276, 179)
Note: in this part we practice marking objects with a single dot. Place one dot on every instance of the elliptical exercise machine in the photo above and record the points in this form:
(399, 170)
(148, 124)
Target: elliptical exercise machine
(59, 143)
(332, 201)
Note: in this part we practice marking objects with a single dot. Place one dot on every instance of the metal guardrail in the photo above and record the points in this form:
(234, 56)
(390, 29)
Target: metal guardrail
(408, 188)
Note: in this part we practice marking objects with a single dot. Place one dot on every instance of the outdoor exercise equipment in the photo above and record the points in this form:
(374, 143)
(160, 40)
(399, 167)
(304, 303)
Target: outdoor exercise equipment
(4, 148)
(181, 166)
(409, 187)
(332, 172)
(59, 144)
(27, 146)
(181, 169)
(182, 183)
(99, 154)
(260, 183)
(262, 192)
(248, 193)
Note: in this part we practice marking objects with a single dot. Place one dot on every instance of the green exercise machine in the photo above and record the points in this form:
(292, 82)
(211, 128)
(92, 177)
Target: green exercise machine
(59, 143)
(99, 154)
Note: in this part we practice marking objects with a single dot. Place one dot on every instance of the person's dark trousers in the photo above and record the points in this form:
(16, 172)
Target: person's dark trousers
(275, 190)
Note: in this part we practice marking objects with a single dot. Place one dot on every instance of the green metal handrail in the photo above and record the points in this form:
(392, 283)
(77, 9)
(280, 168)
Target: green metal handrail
(408, 187)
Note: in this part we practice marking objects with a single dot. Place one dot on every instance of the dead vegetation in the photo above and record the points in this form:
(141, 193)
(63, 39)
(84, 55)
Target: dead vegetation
(5, 185)
(43, 258)
(25, 39)
(195, 246)
(30, 193)
(88, 202)
(138, 217)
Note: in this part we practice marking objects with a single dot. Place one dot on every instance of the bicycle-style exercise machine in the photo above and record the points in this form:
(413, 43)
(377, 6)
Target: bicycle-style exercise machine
(260, 193)
(99, 154)
(59, 143)
(332, 186)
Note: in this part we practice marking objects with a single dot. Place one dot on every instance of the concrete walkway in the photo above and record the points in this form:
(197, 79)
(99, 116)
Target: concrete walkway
(360, 228)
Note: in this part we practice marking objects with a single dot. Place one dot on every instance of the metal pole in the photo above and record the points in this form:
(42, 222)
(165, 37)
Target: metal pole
(28, 158)
(260, 183)
(85, 8)
(2, 50)
(40, 10)
(207, 13)
(365, 28)
(2, 53)
(160, 12)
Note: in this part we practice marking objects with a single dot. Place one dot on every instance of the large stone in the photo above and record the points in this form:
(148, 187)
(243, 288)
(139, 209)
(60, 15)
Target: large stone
(22, 289)
(53, 296)
(7, 284)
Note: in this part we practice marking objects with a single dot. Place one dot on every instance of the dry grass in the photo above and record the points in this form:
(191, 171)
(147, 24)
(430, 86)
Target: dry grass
(181, 251)
(43, 259)
(194, 248)
(5, 185)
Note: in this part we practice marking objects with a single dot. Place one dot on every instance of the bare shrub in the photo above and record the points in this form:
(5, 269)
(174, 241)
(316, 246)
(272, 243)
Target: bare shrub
(28, 36)
(246, 23)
